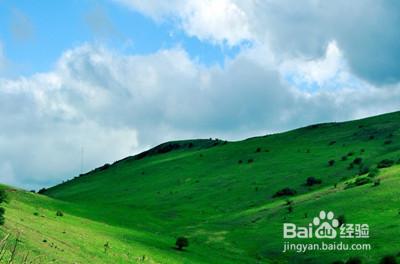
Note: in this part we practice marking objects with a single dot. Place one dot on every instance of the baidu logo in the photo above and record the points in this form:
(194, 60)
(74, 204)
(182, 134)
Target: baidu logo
(326, 225)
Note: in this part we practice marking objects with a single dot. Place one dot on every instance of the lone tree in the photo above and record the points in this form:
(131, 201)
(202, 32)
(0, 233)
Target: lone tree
(181, 242)
(3, 197)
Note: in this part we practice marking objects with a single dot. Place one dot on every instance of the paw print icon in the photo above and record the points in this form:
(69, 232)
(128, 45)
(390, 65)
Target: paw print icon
(326, 225)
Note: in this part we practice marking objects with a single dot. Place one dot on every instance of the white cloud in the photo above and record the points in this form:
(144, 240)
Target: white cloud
(210, 19)
(366, 31)
(217, 21)
(320, 70)
(115, 105)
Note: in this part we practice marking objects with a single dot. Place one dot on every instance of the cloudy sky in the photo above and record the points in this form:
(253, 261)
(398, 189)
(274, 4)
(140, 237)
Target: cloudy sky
(95, 81)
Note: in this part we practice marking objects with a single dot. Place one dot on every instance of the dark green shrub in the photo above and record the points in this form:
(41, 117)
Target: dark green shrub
(332, 142)
(250, 160)
(59, 213)
(358, 182)
(240, 161)
(3, 198)
(388, 260)
(357, 161)
(285, 192)
(312, 181)
(363, 170)
(258, 150)
(385, 163)
(181, 242)
(361, 181)
(3, 195)
(373, 173)
(331, 162)
(351, 153)
(290, 209)
(387, 142)
(371, 137)
(36, 214)
(344, 158)
(42, 191)
(354, 260)
(2, 219)
(341, 219)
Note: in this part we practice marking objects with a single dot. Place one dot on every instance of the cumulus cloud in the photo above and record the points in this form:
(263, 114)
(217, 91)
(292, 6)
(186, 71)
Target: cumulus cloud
(114, 105)
(365, 31)
(217, 21)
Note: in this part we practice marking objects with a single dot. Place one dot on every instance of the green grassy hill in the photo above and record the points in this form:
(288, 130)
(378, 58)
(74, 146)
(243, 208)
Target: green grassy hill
(221, 196)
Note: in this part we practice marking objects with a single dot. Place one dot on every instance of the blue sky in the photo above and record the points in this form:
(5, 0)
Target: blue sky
(116, 77)
(55, 26)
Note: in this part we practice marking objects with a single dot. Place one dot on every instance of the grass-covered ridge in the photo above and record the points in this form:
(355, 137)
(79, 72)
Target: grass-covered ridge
(228, 198)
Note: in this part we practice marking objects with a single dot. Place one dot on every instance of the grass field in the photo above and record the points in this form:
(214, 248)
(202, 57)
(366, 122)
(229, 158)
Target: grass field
(220, 196)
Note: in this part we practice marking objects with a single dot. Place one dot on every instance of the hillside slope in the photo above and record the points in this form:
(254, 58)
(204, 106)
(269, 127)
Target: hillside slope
(221, 194)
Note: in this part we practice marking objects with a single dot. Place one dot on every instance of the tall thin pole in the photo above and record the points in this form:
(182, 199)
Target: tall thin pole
(82, 153)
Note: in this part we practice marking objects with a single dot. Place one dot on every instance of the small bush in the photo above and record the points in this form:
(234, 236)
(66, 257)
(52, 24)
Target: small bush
(3, 198)
(362, 150)
(358, 182)
(250, 160)
(59, 213)
(363, 170)
(285, 192)
(2, 218)
(258, 150)
(42, 191)
(341, 219)
(332, 142)
(181, 242)
(388, 260)
(373, 173)
(357, 161)
(331, 163)
(240, 161)
(354, 260)
(312, 181)
(361, 181)
(36, 214)
(351, 153)
(371, 137)
(387, 142)
(386, 163)
(344, 158)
